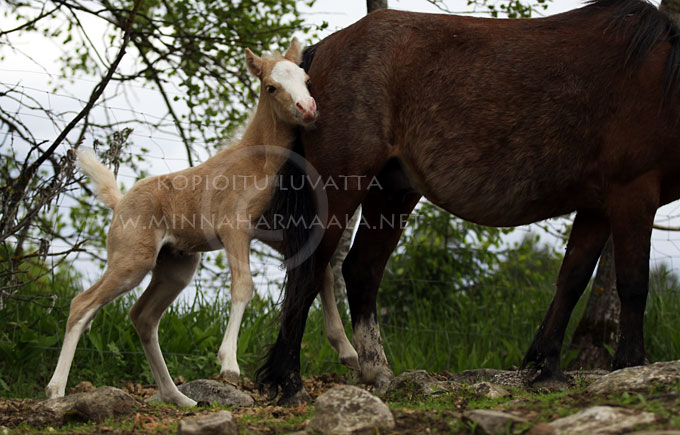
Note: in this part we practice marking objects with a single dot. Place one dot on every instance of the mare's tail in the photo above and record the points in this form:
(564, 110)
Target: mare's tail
(106, 188)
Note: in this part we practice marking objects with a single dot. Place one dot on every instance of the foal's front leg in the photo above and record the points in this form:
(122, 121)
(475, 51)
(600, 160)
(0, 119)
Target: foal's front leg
(237, 245)
(363, 270)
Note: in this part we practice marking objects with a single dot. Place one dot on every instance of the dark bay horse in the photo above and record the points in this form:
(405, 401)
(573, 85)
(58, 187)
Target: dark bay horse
(502, 123)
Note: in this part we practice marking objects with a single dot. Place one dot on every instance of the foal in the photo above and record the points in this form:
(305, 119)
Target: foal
(164, 223)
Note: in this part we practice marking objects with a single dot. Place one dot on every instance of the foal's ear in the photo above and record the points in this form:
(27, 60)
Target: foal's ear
(294, 52)
(254, 63)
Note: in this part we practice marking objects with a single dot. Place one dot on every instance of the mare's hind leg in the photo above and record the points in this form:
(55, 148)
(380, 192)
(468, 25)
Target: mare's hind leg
(589, 233)
(335, 331)
(382, 214)
(632, 218)
(172, 273)
(237, 245)
(122, 274)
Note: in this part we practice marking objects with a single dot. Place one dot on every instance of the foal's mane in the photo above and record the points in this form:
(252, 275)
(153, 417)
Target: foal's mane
(645, 26)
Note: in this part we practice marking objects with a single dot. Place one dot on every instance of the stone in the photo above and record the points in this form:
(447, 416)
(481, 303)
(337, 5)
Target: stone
(83, 387)
(493, 422)
(300, 398)
(587, 376)
(541, 429)
(489, 390)
(346, 409)
(656, 432)
(473, 376)
(207, 391)
(513, 378)
(640, 378)
(419, 382)
(97, 405)
(218, 423)
(601, 420)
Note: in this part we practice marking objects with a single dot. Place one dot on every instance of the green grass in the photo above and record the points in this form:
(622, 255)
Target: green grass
(488, 328)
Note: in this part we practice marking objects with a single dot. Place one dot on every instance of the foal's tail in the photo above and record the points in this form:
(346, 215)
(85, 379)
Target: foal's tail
(106, 188)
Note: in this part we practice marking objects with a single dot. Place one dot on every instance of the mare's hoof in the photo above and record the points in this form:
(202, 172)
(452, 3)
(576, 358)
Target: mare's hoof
(296, 399)
(381, 383)
(551, 382)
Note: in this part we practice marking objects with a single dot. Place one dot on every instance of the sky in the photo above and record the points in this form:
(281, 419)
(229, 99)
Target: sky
(166, 152)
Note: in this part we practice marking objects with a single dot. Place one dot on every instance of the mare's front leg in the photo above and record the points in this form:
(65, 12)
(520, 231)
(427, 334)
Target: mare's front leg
(383, 214)
(589, 233)
(237, 245)
(281, 369)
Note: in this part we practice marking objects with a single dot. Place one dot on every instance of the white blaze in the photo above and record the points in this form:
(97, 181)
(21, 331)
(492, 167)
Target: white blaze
(292, 78)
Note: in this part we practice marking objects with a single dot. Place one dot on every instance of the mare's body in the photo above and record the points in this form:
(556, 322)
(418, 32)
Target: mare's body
(503, 123)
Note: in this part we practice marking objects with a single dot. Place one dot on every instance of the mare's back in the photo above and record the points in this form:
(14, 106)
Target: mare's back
(491, 116)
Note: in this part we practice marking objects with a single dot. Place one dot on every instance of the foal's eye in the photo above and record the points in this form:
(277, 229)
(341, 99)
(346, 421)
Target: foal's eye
(308, 83)
(271, 89)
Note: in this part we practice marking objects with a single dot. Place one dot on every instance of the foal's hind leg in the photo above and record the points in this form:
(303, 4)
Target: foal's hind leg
(335, 331)
(589, 233)
(363, 270)
(237, 245)
(121, 275)
(172, 273)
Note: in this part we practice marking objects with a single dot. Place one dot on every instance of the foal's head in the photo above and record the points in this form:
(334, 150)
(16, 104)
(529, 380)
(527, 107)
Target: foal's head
(284, 85)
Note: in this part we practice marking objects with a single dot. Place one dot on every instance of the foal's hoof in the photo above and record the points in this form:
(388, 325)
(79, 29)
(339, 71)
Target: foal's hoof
(351, 361)
(54, 392)
(296, 399)
(178, 399)
(230, 376)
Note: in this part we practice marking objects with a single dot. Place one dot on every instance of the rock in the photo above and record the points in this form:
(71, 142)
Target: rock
(208, 391)
(470, 377)
(587, 376)
(639, 378)
(97, 405)
(345, 409)
(219, 423)
(300, 398)
(489, 390)
(513, 378)
(541, 429)
(600, 420)
(656, 432)
(83, 387)
(419, 382)
(493, 422)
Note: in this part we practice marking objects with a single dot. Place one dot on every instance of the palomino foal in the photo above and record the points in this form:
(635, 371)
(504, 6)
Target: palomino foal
(164, 223)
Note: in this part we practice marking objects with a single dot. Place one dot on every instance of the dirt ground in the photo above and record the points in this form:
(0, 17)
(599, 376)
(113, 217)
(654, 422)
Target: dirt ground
(412, 414)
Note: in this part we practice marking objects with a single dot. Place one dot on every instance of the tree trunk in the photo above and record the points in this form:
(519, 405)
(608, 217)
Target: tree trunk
(599, 326)
(374, 5)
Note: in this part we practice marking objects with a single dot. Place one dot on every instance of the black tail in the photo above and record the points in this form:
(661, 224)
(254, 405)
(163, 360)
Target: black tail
(294, 202)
